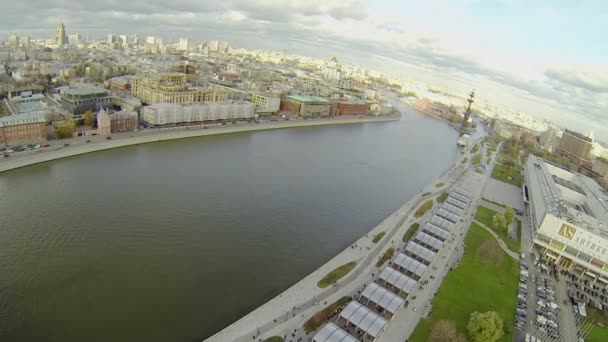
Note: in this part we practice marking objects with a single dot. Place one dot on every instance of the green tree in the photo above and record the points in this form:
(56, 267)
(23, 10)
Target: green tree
(509, 216)
(65, 130)
(443, 331)
(499, 222)
(89, 119)
(485, 327)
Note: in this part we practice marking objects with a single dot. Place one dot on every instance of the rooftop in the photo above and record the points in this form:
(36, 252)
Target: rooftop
(578, 135)
(91, 90)
(308, 99)
(570, 196)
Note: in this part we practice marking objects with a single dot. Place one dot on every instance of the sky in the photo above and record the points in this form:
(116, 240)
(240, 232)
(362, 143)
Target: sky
(546, 58)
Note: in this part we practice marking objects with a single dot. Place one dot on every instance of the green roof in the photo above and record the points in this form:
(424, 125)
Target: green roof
(308, 99)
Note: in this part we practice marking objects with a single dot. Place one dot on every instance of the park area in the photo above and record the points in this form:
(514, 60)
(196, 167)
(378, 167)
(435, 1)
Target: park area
(507, 174)
(599, 332)
(486, 216)
(485, 280)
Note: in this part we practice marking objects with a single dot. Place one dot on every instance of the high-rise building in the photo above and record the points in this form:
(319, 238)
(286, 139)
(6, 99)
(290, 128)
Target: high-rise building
(75, 37)
(61, 38)
(222, 46)
(184, 44)
(549, 139)
(111, 39)
(576, 147)
(123, 39)
(13, 41)
(25, 41)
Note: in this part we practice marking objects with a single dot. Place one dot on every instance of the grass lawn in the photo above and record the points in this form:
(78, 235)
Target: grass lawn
(426, 206)
(337, 274)
(490, 278)
(274, 339)
(477, 159)
(507, 174)
(409, 234)
(485, 215)
(388, 255)
(378, 237)
(442, 197)
(439, 185)
(475, 149)
(321, 317)
(464, 160)
(599, 332)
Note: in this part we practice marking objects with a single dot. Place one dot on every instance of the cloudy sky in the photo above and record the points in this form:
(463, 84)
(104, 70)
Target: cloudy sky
(548, 58)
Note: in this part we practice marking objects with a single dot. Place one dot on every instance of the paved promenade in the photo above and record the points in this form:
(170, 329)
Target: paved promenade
(285, 314)
(80, 146)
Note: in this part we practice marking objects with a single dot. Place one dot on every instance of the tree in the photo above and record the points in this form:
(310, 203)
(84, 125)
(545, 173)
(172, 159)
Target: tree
(499, 222)
(485, 327)
(89, 120)
(65, 130)
(509, 216)
(443, 331)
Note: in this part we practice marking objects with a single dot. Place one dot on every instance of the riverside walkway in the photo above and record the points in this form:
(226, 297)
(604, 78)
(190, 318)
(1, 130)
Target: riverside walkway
(79, 145)
(285, 314)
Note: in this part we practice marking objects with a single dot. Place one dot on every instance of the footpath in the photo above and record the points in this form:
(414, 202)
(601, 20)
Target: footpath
(499, 240)
(286, 313)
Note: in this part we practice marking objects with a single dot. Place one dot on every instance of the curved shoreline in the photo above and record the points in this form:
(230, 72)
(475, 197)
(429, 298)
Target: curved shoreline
(127, 139)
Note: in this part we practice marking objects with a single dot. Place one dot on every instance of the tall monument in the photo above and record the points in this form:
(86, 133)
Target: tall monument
(61, 38)
(467, 114)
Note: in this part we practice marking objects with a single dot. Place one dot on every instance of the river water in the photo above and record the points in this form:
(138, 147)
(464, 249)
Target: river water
(173, 241)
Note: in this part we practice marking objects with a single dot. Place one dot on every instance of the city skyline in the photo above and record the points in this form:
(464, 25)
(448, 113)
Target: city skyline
(530, 57)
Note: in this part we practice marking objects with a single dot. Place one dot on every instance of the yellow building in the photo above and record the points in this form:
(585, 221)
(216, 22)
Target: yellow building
(173, 88)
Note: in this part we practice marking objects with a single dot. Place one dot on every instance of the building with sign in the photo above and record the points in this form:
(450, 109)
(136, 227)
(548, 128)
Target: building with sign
(569, 216)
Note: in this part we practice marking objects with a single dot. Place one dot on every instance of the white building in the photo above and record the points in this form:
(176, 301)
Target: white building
(266, 103)
(111, 39)
(549, 139)
(173, 113)
(569, 218)
(104, 123)
(184, 44)
(75, 37)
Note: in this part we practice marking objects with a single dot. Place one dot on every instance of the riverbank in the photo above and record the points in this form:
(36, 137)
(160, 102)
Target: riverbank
(438, 117)
(287, 312)
(78, 146)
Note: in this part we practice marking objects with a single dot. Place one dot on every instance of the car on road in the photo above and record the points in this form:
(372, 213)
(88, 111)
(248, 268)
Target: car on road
(66, 145)
(109, 137)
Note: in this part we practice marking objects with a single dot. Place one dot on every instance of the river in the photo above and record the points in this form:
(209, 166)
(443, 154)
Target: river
(173, 241)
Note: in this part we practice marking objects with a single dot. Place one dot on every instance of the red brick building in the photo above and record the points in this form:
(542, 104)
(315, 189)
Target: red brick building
(349, 108)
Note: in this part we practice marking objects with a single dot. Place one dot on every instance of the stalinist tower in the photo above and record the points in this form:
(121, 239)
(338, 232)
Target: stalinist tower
(61, 38)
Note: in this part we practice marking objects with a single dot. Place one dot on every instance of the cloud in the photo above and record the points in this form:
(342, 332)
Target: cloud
(323, 28)
(595, 82)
